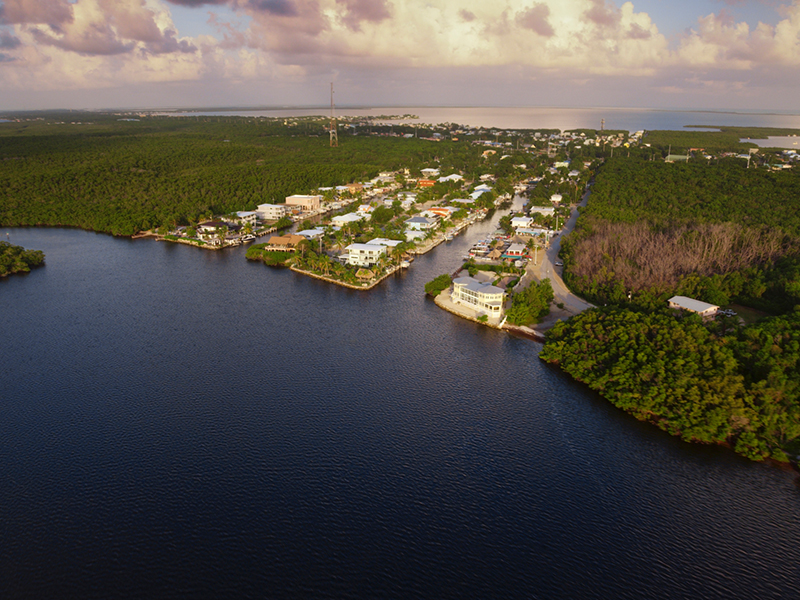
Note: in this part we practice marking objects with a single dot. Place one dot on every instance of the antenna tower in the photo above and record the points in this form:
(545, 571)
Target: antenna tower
(602, 124)
(334, 133)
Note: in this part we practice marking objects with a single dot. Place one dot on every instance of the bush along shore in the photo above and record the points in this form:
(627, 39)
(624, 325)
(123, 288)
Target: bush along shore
(708, 382)
(15, 259)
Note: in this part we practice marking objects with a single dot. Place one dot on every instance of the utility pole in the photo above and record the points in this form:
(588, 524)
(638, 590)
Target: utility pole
(334, 133)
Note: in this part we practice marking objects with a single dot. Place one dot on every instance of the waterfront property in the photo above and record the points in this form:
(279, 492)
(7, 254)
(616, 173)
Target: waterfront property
(478, 295)
(704, 309)
(306, 203)
(364, 255)
(270, 212)
(420, 223)
(284, 243)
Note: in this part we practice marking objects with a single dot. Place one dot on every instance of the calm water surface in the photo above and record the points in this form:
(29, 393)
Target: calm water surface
(182, 423)
(630, 119)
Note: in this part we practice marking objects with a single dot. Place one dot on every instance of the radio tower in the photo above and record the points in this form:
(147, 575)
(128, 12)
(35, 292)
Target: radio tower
(334, 134)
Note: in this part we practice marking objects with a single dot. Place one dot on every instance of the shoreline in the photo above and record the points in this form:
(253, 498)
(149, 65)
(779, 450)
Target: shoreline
(362, 287)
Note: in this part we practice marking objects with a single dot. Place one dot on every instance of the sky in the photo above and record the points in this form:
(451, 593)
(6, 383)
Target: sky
(679, 54)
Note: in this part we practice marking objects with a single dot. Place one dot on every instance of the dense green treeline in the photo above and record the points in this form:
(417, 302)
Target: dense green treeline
(532, 304)
(123, 177)
(15, 259)
(710, 383)
(716, 232)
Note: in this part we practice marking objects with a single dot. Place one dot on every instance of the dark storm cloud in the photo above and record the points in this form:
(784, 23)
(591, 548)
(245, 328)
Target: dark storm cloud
(279, 8)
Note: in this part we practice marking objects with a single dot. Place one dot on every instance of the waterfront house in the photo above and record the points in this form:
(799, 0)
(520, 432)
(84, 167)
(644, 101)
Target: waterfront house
(444, 212)
(283, 243)
(270, 212)
(246, 217)
(385, 242)
(704, 309)
(306, 203)
(483, 297)
(420, 223)
(515, 251)
(364, 255)
(312, 234)
(520, 222)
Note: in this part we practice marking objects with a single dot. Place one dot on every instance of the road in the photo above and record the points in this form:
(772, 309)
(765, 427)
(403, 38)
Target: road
(546, 268)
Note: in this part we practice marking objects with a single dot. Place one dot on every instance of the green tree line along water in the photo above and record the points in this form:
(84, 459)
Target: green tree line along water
(15, 259)
(125, 177)
(713, 230)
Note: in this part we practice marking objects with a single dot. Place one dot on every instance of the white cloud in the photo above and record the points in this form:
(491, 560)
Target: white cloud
(105, 43)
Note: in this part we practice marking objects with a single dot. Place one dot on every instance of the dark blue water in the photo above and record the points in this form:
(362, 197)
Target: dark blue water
(179, 423)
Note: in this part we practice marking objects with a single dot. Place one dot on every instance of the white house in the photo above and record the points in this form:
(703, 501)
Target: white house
(556, 198)
(478, 295)
(543, 210)
(246, 217)
(453, 177)
(342, 220)
(428, 173)
(704, 309)
(270, 212)
(312, 234)
(364, 255)
(385, 242)
(521, 222)
(420, 223)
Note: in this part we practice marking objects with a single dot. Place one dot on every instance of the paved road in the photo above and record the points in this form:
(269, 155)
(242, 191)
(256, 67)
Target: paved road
(547, 268)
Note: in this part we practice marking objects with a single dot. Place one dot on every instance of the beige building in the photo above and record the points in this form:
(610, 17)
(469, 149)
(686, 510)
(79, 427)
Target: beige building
(704, 309)
(307, 203)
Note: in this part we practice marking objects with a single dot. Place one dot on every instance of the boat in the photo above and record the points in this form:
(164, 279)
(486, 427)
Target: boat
(404, 264)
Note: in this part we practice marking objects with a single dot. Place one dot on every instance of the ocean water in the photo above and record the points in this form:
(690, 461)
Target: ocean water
(183, 423)
(630, 119)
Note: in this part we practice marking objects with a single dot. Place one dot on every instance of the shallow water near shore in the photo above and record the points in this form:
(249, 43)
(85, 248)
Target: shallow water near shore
(182, 423)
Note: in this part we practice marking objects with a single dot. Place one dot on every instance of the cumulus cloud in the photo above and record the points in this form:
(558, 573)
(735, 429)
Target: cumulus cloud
(108, 27)
(719, 42)
(8, 41)
(112, 41)
(535, 19)
(358, 11)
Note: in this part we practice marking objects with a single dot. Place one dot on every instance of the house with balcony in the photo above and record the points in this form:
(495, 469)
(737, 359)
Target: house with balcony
(364, 255)
(480, 296)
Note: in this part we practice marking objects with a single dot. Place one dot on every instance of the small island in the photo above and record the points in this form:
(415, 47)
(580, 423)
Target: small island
(15, 259)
